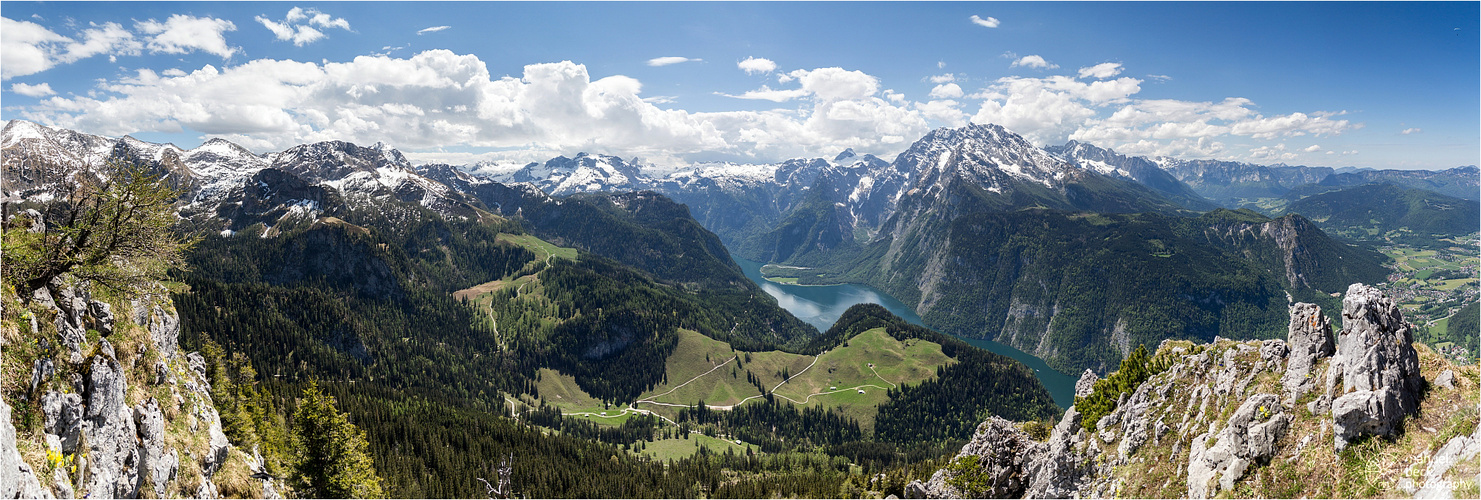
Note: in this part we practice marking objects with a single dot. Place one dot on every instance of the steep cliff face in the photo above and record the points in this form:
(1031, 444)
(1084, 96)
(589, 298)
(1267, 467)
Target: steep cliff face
(99, 401)
(1253, 419)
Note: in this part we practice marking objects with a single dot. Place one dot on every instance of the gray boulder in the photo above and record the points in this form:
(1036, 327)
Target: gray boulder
(1458, 449)
(41, 371)
(164, 329)
(1247, 439)
(1375, 365)
(62, 417)
(102, 316)
(158, 466)
(1003, 455)
(1059, 471)
(17, 480)
(1310, 339)
(109, 430)
(1086, 385)
(1446, 380)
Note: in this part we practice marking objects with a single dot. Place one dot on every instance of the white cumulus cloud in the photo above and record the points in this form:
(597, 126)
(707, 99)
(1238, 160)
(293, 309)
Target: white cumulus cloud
(766, 93)
(1033, 61)
(1101, 71)
(182, 34)
(946, 91)
(298, 25)
(665, 61)
(946, 78)
(1312, 148)
(1408, 131)
(756, 65)
(988, 22)
(37, 90)
(437, 99)
(26, 48)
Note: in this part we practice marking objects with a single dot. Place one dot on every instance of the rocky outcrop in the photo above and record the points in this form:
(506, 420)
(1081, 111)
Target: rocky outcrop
(1010, 464)
(1373, 381)
(1086, 385)
(157, 466)
(1218, 417)
(112, 454)
(17, 479)
(1003, 456)
(1310, 339)
(102, 438)
(1248, 438)
(1459, 449)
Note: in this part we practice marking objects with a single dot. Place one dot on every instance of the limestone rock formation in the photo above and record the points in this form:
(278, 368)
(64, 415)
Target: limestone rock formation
(84, 398)
(1310, 339)
(17, 479)
(1248, 438)
(1086, 385)
(1216, 419)
(1374, 379)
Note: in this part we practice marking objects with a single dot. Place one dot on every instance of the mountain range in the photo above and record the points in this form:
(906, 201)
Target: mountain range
(557, 290)
(944, 227)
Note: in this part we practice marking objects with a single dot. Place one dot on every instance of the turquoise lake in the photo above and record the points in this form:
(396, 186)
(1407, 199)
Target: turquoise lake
(820, 306)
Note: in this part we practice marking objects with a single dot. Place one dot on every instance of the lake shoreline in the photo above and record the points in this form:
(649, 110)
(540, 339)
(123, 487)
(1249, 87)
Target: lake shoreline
(822, 305)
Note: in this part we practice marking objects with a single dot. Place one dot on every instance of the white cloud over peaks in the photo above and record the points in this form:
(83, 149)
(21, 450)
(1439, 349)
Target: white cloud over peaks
(1276, 152)
(946, 91)
(830, 84)
(1033, 61)
(756, 65)
(25, 48)
(432, 29)
(767, 94)
(1292, 125)
(946, 111)
(38, 90)
(297, 26)
(181, 34)
(665, 61)
(1312, 148)
(1101, 71)
(29, 48)
(989, 22)
(441, 99)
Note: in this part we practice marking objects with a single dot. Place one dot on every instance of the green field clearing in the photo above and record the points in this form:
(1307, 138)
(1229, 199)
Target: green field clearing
(697, 355)
(1455, 283)
(561, 390)
(705, 369)
(664, 450)
(872, 361)
(895, 363)
(543, 249)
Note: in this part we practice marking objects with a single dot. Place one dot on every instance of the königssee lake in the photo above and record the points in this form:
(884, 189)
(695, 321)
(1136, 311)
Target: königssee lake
(820, 306)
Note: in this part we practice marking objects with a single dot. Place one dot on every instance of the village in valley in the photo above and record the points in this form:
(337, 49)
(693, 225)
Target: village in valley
(1432, 285)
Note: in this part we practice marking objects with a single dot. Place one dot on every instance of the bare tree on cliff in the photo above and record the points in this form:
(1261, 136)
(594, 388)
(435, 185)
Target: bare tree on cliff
(117, 234)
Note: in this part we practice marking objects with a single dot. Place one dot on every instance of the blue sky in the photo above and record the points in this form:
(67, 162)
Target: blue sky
(1386, 85)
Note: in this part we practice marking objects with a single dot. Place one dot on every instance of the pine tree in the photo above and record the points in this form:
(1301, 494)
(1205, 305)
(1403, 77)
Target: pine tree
(333, 457)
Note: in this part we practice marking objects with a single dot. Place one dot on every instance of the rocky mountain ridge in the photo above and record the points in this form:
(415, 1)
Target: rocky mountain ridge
(1252, 418)
(110, 405)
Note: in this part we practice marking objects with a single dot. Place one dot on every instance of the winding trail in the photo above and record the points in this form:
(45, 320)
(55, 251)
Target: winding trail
(686, 382)
(876, 374)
